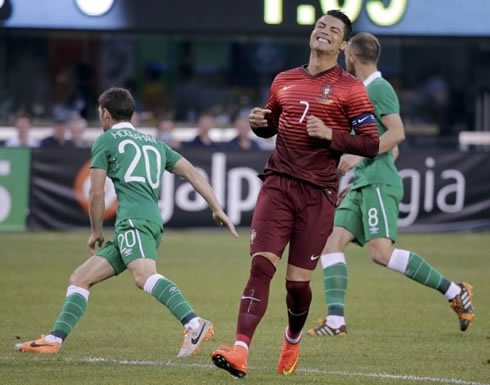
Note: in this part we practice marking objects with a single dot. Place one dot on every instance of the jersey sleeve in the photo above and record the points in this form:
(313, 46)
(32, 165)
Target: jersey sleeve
(100, 153)
(171, 157)
(360, 112)
(272, 118)
(385, 99)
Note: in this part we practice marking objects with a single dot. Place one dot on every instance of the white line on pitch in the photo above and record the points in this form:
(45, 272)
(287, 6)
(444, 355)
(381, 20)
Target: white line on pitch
(405, 377)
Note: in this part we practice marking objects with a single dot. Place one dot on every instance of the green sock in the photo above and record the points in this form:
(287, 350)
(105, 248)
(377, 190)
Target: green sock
(335, 283)
(419, 270)
(167, 293)
(71, 312)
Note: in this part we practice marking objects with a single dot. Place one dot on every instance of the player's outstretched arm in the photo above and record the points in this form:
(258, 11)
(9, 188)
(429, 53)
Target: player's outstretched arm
(394, 135)
(186, 170)
(96, 207)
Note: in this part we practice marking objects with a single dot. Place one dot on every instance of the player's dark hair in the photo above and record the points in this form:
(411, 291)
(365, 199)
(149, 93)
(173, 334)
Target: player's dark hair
(366, 47)
(119, 102)
(344, 19)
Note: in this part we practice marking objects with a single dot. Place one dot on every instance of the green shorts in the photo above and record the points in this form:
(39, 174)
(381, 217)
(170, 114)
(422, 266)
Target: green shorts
(133, 239)
(370, 212)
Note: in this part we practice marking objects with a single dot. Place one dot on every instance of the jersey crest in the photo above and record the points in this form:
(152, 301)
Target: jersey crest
(324, 95)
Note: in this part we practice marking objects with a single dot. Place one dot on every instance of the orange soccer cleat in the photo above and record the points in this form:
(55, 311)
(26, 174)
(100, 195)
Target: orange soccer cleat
(39, 346)
(288, 358)
(462, 304)
(232, 359)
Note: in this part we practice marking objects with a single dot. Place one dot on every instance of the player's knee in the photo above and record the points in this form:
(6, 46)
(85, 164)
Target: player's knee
(298, 289)
(335, 243)
(139, 280)
(262, 268)
(380, 256)
(78, 279)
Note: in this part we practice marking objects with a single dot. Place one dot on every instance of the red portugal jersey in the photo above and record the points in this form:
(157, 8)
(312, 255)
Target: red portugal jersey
(340, 101)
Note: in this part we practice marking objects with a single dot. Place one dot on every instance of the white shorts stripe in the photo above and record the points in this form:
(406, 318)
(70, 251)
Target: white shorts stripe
(139, 239)
(387, 229)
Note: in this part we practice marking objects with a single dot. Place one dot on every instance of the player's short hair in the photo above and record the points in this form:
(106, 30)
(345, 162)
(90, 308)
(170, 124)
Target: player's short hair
(344, 19)
(119, 102)
(366, 47)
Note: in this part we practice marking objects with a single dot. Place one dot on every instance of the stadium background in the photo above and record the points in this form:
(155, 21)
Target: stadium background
(181, 59)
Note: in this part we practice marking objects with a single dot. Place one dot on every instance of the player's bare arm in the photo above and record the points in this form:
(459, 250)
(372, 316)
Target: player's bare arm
(395, 152)
(394, 135)
(257, 117)
(185, 169)
(347, 162)
(317, 129)
(96, 207)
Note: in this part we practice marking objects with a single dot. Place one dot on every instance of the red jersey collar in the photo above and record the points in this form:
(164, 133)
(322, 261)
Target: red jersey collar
(336, 67)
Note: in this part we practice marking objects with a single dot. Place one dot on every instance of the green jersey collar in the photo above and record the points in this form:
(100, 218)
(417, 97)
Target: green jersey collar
(123, 125)
(372, 77)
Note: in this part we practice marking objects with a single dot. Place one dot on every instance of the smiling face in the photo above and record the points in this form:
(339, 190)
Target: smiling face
(328, 35)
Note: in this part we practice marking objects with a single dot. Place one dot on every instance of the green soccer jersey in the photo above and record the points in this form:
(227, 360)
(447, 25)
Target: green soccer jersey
(381, 169)
(135, 163)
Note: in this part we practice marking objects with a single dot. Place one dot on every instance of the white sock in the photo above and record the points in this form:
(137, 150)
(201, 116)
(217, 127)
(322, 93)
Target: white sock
(72, 289)
(330, 259)
(242, 344)
(452, 291)
(192, 324)
(335, 321)
(290, 339)
(50, 338)
(151, 282)
(399, 260)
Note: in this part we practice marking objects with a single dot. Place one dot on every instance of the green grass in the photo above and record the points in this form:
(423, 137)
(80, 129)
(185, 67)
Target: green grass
(396, 326)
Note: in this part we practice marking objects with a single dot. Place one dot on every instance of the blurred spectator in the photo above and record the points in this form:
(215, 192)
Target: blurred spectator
(83, 97)
(188, 95)
(165, 128)
(23, 127)
(58, 138)
(153, 94)
(204, 124)
(77, 129)
(242, 141)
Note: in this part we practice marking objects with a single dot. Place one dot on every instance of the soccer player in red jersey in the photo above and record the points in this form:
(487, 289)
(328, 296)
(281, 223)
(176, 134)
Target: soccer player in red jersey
(312, 109)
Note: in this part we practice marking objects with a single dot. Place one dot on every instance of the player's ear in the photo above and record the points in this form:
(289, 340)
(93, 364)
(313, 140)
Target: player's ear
(106, 115)
(344, 45)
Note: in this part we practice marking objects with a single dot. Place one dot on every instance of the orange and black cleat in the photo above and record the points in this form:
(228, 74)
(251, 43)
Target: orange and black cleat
(322, 329)
(463, 306)
(39, 346)
(232, 359)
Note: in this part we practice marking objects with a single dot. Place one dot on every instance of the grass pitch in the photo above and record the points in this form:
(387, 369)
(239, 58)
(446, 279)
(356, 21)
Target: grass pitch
(399, 331)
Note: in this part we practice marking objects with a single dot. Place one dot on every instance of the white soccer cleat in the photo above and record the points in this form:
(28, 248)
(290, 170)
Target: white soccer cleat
(195, 337)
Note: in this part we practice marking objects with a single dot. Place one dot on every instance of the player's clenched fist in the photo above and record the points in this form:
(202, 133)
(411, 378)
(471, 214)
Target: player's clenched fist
(257, 117)
(317, 129)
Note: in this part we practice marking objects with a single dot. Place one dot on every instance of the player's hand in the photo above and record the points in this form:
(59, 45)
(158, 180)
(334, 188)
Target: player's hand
(317, 129)
(257, 117)
(347, 162)
(222, 219)
(93, 240)
(342, 194)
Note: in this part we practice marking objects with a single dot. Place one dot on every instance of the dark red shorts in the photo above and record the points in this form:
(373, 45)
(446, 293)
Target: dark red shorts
(290, 210)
